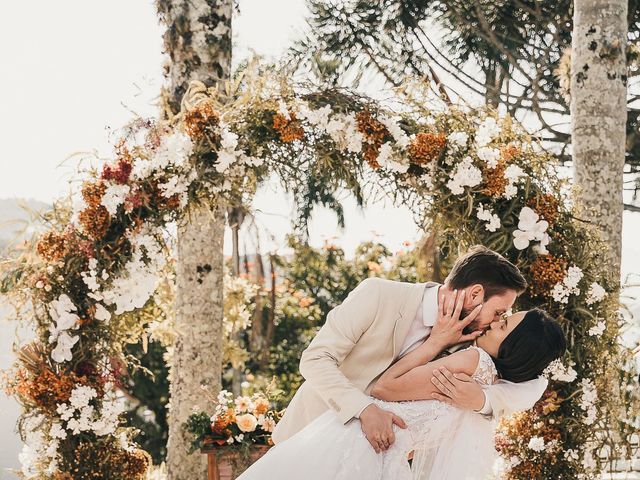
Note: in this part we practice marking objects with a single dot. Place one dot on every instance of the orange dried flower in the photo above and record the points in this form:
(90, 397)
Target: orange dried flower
(52, 246)
(290, 129)
(95, 221)
(201, 119)
(508, 152)
(546, 272)
(370, 153)
(374, 133)
(515, 432)
(426, 147)
(45, 388)
(545, 205)
(92, 192)
(494, 179)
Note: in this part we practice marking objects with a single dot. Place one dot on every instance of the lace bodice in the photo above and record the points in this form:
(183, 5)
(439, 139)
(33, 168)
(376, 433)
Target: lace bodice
(486, 372)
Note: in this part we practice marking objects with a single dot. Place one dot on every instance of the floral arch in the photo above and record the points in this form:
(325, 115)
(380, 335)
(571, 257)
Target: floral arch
(468, 174)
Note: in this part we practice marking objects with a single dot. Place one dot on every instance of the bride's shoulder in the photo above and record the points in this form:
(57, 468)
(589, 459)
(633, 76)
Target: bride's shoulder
(485, 371)
(465, 361)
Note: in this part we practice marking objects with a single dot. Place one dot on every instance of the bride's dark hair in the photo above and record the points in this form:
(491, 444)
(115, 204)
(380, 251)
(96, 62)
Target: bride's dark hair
(535, 342)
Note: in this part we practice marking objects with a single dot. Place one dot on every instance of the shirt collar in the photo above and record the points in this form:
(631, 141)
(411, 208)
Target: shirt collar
(430, 306)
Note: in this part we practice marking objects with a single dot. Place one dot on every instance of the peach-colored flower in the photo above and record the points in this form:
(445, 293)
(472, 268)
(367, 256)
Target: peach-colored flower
(261, 406)
(247, 422)
(305, 302)
(268, 424)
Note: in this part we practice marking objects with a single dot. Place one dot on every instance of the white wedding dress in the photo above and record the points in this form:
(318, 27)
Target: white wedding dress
(448, 443)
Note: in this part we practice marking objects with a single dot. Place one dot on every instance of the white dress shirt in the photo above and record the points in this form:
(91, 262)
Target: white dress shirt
(423, 322)
(420, 329)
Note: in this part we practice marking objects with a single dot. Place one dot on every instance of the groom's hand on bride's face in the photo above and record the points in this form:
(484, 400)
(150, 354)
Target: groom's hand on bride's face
(448, 329)
(459, 389)
(377, 426)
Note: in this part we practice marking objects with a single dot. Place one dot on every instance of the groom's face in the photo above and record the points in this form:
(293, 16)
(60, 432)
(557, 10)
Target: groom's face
(492, 308)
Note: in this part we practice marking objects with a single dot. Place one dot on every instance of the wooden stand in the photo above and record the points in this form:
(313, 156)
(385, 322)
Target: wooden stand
(219, 460)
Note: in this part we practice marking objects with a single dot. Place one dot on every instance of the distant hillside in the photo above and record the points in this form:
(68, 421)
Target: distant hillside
(15, 218)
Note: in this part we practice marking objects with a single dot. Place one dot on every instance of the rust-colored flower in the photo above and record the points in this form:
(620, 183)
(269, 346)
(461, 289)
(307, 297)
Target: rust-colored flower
(370, 152)
(495, 183)
(62, 476)
(374, 133)
(84, 247)
(134, 199)
(52, 246)
(545, 205)
(45, 388)
(133, 464)
(546, 271)
(290, 129)
(426, 147)
(95, 221)
(201, 119)
(509, 152)
(92, 192)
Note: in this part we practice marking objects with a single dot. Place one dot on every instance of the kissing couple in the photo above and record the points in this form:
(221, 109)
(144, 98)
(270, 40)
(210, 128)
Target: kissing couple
(421, 371)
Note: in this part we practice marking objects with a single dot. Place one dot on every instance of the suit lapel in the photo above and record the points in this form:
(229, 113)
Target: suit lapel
(408, 311)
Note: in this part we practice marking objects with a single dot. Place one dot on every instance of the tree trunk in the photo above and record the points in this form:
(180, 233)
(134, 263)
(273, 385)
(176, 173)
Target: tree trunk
(599, 113)
(198, 43)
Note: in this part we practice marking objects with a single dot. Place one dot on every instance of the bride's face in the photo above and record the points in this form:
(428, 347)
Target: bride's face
(498, 331)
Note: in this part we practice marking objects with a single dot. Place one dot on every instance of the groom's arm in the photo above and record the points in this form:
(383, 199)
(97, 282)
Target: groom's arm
(344, 326)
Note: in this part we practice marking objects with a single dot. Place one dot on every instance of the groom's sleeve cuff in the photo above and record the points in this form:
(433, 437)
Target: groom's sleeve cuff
(486, 408)
(360, 412)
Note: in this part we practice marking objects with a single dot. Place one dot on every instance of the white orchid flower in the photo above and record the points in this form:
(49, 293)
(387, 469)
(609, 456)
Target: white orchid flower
(531, 228)
(62, 352)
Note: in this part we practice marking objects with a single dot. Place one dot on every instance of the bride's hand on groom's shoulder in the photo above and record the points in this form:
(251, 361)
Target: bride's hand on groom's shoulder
(449, 328)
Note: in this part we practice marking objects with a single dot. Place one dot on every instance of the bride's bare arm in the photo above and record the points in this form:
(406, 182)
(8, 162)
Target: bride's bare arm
(415, 383)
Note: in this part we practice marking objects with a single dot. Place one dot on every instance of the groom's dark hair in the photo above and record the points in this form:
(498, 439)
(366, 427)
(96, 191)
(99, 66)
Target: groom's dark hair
(488, 268)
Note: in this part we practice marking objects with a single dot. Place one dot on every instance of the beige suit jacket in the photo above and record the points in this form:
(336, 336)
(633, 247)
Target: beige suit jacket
(359, 341)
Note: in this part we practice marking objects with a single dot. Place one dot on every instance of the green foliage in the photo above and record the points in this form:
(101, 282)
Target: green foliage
(198, 425)
(148, 389)
(315, 280)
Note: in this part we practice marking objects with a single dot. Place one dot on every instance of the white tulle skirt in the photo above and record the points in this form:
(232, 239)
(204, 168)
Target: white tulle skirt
(448, 444)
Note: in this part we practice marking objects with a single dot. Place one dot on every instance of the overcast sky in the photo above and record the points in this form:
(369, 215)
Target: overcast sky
(73, 71)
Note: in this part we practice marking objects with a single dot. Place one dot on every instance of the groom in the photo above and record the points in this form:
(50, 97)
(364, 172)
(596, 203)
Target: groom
(382, 320)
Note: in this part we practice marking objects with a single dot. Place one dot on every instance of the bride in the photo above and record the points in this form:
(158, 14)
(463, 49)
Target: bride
(448, 443)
